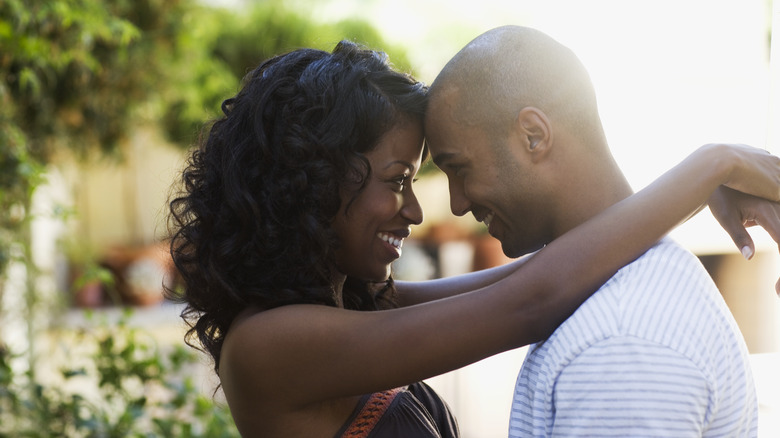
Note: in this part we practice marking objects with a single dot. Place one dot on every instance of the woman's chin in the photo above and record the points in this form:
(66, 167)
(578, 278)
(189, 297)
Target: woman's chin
(379, 276)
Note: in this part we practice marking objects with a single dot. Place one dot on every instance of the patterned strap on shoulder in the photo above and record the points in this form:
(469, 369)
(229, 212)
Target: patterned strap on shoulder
(369, 416)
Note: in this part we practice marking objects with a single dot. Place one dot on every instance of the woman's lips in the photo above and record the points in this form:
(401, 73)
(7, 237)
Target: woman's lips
(394, 242)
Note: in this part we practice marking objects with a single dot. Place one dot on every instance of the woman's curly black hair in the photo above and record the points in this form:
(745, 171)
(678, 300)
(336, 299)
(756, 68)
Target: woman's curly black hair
(252, 220)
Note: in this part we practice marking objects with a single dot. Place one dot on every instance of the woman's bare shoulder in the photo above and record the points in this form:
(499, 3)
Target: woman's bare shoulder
(266, 370)
(263, 346)
(257, 327)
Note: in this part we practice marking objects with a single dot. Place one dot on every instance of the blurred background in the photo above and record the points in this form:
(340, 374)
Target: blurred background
(101, 100)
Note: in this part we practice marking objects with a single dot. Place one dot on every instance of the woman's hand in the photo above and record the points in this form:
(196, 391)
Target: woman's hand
(735, 211)
(749, 170)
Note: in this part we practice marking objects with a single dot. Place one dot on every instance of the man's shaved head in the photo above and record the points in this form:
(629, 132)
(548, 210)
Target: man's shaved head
(510, 68)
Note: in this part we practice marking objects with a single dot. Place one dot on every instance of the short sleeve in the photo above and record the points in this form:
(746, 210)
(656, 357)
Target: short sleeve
(627, 386)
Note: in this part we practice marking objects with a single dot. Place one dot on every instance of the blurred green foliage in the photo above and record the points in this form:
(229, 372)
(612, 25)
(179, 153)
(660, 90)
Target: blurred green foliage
(221, 46)
(79, 76)
(115, 382)
(72, 74)
(75, 71)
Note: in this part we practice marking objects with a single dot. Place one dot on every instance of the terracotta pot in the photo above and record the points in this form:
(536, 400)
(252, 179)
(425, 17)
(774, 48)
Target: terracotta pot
(488, 253)
(142, 273)
(89, 296)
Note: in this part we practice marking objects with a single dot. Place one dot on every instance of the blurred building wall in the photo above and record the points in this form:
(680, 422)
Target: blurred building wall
(124, 202)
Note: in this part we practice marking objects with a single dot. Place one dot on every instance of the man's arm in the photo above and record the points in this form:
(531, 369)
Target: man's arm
(416, 292)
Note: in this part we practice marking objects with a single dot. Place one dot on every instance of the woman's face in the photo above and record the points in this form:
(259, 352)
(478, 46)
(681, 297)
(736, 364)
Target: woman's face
(372, 230)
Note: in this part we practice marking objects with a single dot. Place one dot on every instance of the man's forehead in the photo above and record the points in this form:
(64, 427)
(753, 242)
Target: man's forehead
(441, 114)
(444, 125)
(447, 145)
(444, 96)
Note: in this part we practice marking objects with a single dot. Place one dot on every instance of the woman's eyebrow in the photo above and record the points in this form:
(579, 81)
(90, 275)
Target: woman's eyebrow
(405, 163)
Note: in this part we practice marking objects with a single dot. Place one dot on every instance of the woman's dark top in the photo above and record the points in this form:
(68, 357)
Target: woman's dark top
(412, 412)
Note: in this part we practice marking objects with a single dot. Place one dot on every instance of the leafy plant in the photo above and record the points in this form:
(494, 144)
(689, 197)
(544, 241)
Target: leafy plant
(116, 382)
(79, 76)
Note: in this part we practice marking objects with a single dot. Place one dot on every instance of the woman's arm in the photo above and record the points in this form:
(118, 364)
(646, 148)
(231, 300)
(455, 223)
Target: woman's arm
(311, 353)
(682, 191)
(733, 209)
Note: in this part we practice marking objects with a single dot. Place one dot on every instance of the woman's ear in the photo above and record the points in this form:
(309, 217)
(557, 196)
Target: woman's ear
(535, 128)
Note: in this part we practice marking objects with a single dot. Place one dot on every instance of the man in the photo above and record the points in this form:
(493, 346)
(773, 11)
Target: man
(513, 122)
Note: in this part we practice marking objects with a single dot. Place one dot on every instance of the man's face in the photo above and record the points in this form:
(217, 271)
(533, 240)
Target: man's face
(490, 176)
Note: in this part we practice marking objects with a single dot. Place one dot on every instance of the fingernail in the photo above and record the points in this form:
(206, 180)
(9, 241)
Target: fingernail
(747, 252)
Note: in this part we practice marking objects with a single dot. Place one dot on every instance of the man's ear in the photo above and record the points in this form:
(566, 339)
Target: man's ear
(536, 132)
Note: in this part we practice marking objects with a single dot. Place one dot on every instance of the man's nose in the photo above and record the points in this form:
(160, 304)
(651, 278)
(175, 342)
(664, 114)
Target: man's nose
(459, 204)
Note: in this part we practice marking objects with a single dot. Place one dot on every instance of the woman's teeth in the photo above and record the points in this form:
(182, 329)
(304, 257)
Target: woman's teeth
(398, 243)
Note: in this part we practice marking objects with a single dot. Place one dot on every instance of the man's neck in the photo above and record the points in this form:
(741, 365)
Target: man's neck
(592, 195)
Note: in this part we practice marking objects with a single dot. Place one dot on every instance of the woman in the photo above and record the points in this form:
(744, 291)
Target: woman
(294, 209)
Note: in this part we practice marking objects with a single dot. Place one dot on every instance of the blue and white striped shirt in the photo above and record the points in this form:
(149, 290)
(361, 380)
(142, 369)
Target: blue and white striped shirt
(655, 352)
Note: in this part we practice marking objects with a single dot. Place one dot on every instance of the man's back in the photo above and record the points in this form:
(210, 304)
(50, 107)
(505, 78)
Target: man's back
(654, 352)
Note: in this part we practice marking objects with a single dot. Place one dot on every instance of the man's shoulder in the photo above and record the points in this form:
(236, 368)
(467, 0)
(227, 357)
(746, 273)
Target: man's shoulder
(664, 255)
(661, 312)
(664, 290)
(665, 268)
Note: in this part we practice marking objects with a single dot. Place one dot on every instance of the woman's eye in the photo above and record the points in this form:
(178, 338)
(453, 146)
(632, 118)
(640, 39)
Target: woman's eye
(400, 181)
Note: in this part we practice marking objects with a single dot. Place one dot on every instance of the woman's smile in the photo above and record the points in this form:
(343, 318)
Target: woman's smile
(393, 242)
